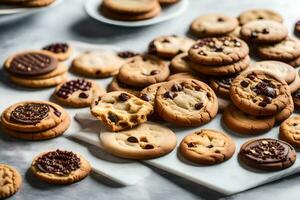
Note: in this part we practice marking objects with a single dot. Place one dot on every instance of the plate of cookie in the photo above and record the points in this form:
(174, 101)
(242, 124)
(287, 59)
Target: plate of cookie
(25, 6)
(134, 13)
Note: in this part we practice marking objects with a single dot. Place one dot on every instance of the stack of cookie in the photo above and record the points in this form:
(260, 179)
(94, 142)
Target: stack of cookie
(29, 3)
(260, 99)
(35, 120)
(36, 69)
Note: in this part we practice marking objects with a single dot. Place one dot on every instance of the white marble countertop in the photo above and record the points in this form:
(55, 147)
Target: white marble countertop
(69, 22)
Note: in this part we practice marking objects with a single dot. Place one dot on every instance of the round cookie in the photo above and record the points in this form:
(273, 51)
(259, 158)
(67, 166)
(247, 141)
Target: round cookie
(39, 83)
(290, 131)
(130, 6)
(60, 70)
(186, 75)
(33, 116)
(286, 50)
(213, 70)
(280, 69)
(116, 85)
(259, 14)
(286, 112)
(264, 31)
(259, 93)
(126, 55)
(218, 51)
(295, 62)
(146, 141)
(37, 3)
(60, 167)
(180, 63)
(78, 92)
(168, 2)
(97, 64)
(221, 85)
(213, 25)
(62, 51)
(207, 147)
(142, 71)
(148, 94)
(41, 135)
(10, 181)
(296, 99)
(236, 32)
(169, 46)
(295, 85)
(31, 63)
(267, 154)
(121, 110)
(243, 123)
(186, 102)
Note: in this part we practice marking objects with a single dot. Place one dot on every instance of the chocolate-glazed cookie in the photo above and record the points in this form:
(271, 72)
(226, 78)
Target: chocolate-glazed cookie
(31, 63)
(62, 51)
(267, 154)
(258, 92)
(60, 167)
(218, 50)
(221, 85)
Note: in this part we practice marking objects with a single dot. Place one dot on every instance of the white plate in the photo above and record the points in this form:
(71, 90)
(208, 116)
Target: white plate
(170, 12)
(12, 9)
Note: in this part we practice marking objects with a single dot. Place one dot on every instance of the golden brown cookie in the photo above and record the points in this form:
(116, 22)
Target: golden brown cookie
(181, 63)
(130, 7)
(186, 75)
(10, 181)
(221, 85)
(259, 14)
(60, 167)
(116, 85)
(286, 112)
(62, 51)
(290, 131)
(207, 147)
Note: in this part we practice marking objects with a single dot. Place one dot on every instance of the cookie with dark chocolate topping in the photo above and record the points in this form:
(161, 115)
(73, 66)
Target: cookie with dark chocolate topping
(62, 51)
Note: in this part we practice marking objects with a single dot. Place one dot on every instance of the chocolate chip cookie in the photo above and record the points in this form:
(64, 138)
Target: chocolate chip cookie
(169, 46)
(218, 51)
(10, 181)
(146, 141)
(296, 99)
(186, 75)
(116, 85)
(207, 147)
(259, 93)
(186, 102)
(213, 25)
(121, 110)
(290, 131)
(181, 63)
(78, 92)
(143, 70)
(264, 31)
(61, 51)
(60, 167)
(259, 14)
(267, 154)
(286, 112)
(221, 85)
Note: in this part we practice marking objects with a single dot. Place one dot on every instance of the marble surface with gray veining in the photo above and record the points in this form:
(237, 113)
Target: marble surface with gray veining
(69, 22)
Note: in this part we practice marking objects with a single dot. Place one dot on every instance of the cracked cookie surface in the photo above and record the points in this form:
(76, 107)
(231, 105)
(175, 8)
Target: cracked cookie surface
(10, 181)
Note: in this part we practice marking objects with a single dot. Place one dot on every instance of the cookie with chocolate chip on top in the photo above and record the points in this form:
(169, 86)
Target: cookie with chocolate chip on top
(61, 51)
(186, 102)
(259, 14)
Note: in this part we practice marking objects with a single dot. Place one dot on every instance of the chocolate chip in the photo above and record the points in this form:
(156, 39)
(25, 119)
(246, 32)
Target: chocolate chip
(202, 53)
(210, 146)
(124, 97)
(244, 84)
(177, 87)
(198, 106)
(265, 31)
(262, 104)
(57, 47)
(170, 95)
(295, 124)
(127, 54)
(83, 95)
(154, 72)
(219, 49)
(165, 41)
(113, 118)
(268, 100)
(251, 76)
(132, 139)
(149, 146)
(191, 144)
(208, 95)
(145, 97)
(260, 17)
(220, 19)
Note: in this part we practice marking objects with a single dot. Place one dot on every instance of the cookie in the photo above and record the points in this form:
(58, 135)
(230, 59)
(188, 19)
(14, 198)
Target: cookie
(221, 85)
(121, 110)
(186, 102)
(130, 17)
(130, 6)
(61, 51)
(243, 123)
(286, 50)
(39, 83)
(222, 70)
(169, 46)
(60, 167)
(259, 93)
(148, 94)
(218, 51)
(213, 25)
(286, 112)
(180, 63)
(33, 116)
(78, 92)
(116, 85)
(31, 63)
(41, 135)
(295, 85)
(38, 3)
(222, 104)
(295, 62)
(143, 70)
(186, 75)
(207, 147)
(236, 32)
(127, 54)
(146, 141)
(264, 31)
(97, 64)
(290, 131)
(168, 2)
(10, 181)
(60, 70)
(296, 99)
(297, 27)
(267, 154)
(281, 69)
(259, 14)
